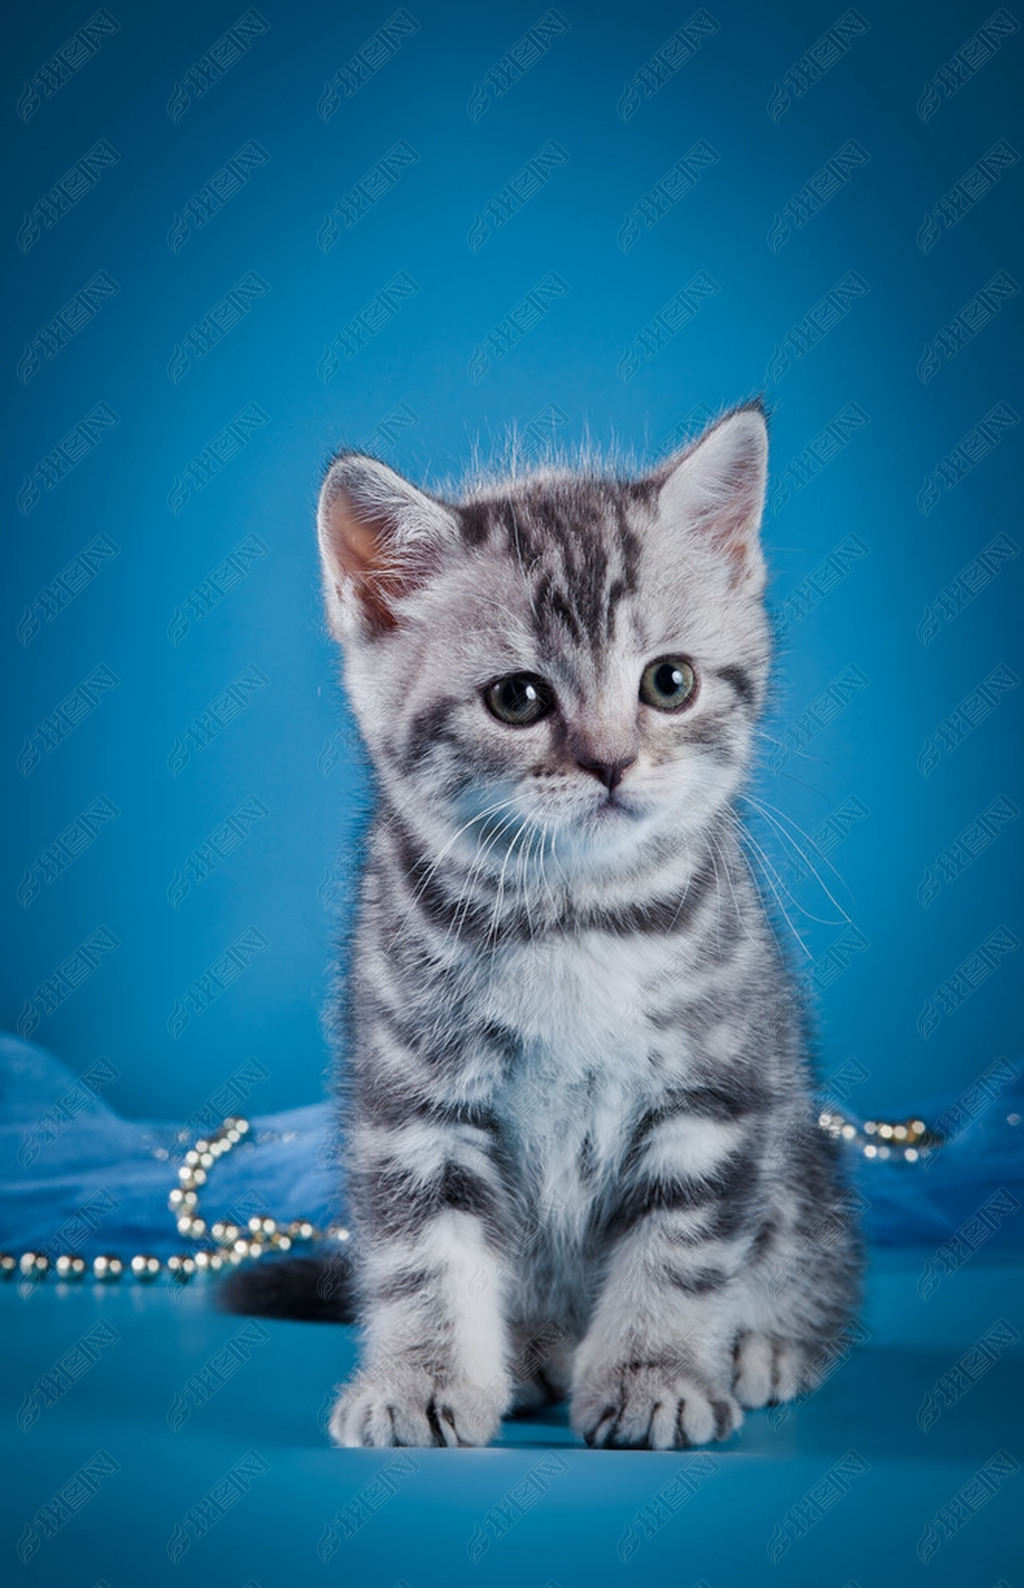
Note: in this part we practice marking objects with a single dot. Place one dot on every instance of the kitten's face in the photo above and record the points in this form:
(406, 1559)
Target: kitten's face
(563, 674)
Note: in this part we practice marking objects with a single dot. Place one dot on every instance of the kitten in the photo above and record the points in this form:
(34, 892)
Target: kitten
(582, 1158)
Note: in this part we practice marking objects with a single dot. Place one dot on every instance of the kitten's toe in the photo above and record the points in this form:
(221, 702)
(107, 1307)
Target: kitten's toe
(362, 1417)
(375, 1414)
(649, 1408)
(702, 1416)
(768, 1370)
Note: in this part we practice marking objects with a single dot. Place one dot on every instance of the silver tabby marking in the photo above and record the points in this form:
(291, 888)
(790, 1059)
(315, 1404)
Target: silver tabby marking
(581, 1156)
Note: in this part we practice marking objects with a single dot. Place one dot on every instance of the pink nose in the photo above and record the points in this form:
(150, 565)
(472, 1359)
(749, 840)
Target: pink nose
(610, 773)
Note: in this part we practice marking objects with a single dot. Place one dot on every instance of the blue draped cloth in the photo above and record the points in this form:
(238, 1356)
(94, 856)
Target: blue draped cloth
(76, 1177)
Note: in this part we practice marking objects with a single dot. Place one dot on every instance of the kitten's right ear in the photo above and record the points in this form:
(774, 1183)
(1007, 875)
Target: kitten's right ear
(380, 537)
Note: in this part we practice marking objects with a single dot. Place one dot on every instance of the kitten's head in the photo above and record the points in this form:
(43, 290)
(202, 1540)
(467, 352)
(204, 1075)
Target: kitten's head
(568, 654)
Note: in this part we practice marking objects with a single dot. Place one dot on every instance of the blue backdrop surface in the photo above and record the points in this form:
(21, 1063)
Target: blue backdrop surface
(237, 240)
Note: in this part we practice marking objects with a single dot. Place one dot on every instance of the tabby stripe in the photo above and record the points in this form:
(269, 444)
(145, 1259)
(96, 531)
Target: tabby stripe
(407, 1282)
(385, 1106)
(475, 922)
(762, 1242)
(616, 591)
(428, 728)
(713, 732)
(724, 1186)
(395, 1037)
(400, 1203)
(444, 1052)
(740, 680)
(675, 914)
(732, 1215)
(425, 886)
(697, 1282)
(717, 1104)
(554, 603)
(699, 1014)
(473, 523)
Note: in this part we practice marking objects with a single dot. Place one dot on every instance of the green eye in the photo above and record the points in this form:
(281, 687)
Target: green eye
(520, 699)
(668, 683)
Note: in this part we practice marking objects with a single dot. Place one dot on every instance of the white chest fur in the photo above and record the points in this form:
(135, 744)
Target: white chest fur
(580, 1009)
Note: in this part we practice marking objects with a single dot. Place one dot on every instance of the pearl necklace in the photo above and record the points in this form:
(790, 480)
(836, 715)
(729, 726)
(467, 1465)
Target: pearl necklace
(228, 1244)
(907, 1139)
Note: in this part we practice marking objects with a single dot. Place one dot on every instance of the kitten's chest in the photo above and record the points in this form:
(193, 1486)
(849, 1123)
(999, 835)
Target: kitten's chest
(576, 995)
(583, 1067)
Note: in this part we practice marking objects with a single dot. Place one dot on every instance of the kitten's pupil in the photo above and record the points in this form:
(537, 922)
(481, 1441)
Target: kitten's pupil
(668, 683)
(519, 699)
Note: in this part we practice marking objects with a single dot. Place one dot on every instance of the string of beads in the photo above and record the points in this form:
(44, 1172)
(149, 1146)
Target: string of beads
(226, 1243)
(908, 1139)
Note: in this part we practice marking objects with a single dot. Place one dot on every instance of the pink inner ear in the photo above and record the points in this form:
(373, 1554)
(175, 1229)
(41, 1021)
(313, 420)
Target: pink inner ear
(729, 528)
(356, 544)
(717, 485)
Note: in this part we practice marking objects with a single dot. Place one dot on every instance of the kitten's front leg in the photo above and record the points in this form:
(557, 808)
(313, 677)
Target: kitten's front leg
(434, 1364)
(655, 1369)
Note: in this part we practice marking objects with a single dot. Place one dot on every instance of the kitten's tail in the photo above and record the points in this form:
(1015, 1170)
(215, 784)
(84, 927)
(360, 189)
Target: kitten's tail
(318, 1289)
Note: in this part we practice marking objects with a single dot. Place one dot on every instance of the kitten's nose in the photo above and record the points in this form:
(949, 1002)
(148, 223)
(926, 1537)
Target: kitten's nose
(610, 773)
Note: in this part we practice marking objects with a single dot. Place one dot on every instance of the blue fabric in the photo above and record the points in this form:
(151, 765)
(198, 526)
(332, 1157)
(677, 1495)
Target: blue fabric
(91, 1182)
(72, 1172)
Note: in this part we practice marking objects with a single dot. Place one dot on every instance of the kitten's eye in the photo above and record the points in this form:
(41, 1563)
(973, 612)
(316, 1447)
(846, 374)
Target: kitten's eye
(520, 699)
(668, 683)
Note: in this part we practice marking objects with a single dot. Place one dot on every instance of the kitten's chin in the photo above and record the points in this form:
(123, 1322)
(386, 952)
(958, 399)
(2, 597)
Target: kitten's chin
(614, 828)
(639, 828)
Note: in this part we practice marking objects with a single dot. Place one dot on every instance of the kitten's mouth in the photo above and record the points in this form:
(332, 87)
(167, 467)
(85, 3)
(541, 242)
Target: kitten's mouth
(612, 807)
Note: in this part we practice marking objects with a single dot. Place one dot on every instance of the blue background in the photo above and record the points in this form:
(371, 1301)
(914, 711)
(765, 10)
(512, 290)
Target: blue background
(290, 878)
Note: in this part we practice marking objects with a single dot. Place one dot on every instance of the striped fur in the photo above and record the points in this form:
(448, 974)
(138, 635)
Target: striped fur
(576, 1097)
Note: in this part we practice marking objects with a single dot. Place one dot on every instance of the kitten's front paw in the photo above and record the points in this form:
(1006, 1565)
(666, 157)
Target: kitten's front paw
(647, 1406)
(379, 1412)
(769, 1370)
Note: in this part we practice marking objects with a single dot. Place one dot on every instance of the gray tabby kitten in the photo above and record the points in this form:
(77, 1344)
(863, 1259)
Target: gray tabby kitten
(581, 1162)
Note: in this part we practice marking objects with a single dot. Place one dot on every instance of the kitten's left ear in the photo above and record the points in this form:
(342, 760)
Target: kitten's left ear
(717, 487)
(380, 538)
